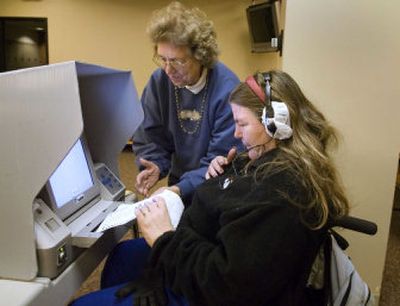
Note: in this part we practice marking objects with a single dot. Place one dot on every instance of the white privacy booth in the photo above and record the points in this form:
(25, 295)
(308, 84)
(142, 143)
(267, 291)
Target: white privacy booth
(43, 113)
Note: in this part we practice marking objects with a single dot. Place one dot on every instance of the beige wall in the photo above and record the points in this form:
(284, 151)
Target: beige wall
(345, 54)
(112, 33)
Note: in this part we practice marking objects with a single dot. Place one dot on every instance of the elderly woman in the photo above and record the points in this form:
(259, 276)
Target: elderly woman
(187, 118)
(254, 228)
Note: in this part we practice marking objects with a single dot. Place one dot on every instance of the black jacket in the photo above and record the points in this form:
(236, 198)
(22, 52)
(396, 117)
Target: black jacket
(243, 245)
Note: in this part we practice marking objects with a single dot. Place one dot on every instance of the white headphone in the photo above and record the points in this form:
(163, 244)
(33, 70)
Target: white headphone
(275, 115)
(278, 126)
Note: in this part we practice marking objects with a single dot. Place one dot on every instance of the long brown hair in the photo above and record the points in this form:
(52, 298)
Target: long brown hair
(307, 151)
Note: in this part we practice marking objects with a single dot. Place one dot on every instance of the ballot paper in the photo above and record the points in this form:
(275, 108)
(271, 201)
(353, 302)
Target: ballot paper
(126, 212)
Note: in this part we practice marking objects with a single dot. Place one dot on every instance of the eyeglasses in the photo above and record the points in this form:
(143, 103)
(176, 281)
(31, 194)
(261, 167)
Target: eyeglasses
(176, 63)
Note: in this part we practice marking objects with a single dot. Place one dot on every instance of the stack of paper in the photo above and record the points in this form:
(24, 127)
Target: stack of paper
(126, 212)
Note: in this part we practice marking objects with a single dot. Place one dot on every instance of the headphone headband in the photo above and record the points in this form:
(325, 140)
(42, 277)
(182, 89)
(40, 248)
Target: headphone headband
(267, 79)
(268, 105)
(263, 95)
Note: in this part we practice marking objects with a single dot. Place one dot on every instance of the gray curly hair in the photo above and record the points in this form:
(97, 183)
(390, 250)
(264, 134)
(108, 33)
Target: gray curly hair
(182, 26)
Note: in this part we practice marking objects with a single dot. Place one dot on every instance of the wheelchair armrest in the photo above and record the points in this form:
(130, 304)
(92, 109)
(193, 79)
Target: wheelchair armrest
(356, 224)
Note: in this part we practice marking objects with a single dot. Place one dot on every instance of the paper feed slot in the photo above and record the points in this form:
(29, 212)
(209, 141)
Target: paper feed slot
(83, 228)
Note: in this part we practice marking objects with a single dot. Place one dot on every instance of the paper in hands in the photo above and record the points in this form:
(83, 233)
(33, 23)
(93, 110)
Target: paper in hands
(126, 212)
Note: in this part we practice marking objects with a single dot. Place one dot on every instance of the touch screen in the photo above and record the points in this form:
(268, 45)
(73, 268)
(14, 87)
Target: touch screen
(72, 178)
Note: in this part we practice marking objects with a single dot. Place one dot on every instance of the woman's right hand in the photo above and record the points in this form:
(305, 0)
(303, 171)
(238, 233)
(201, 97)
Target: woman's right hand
(217, 165)
(147, 178)
(153, 219)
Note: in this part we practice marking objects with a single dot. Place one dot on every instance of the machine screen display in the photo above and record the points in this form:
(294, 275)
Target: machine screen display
(72, 177)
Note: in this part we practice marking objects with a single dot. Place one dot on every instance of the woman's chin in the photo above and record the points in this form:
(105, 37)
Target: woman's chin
(253, 154)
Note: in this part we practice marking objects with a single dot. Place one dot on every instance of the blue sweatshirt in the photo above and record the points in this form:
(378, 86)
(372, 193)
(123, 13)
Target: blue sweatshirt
(176, 146)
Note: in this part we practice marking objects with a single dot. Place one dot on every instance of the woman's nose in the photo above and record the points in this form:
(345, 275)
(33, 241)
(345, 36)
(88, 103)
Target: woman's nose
(237, 134)
(169, 67)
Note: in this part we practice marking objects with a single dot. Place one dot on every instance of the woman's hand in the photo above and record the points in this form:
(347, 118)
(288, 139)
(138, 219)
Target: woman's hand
(153, 220)
(147, 178)
(217, 165)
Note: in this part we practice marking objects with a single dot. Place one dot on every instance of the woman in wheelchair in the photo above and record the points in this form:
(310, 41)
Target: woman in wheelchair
(254, 227)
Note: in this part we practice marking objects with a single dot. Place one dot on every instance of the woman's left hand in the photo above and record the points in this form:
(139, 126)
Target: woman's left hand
(153, 220)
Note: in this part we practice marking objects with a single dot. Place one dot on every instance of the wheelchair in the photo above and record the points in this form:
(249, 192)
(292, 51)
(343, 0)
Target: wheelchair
(333, 272)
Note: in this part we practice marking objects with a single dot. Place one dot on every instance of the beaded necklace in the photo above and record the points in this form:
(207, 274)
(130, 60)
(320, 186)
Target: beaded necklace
(192, 115)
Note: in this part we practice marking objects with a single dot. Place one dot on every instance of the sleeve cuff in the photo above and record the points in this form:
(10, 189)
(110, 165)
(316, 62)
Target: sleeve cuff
(185, 188)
